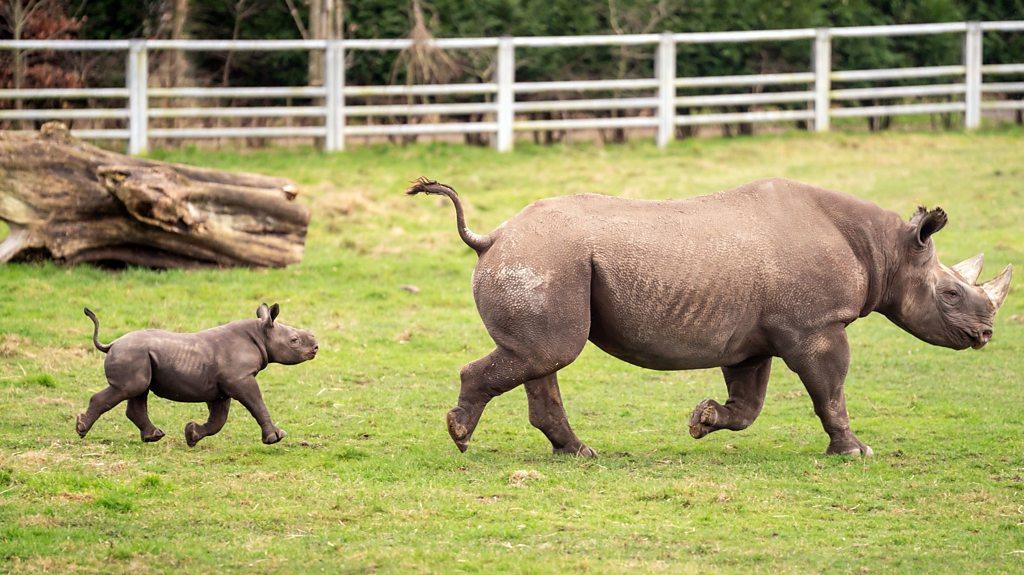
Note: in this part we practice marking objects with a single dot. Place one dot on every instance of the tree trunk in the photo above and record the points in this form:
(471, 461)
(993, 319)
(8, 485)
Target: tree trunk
(73, 202)
(325, 23)
(17, 29)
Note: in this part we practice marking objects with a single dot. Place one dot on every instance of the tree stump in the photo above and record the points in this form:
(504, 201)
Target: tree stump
(73, 202)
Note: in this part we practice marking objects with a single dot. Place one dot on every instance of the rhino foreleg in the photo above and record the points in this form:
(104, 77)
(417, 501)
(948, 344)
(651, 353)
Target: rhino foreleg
(747, 384)
(194, 432)
(548, 415)
(822, 361)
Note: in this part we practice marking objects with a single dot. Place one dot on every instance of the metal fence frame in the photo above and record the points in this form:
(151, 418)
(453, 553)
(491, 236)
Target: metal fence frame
(663, 104)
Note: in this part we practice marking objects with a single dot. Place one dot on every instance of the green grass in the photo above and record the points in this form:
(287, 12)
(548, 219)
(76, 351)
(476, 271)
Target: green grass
(367, 479)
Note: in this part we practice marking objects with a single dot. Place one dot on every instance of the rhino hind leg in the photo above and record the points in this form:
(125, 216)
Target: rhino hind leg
(547, 413)
(99, 404)
(138, 413)
(128, 376)
(496, 373)
(747, 384)
(483, 380)
(538, 313)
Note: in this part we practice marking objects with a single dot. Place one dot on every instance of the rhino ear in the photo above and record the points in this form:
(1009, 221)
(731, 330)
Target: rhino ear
(265, 315)
(925, 223)
(274, 310)
(970, 268)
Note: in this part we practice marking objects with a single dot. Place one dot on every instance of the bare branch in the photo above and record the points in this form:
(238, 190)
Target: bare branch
(298, 19)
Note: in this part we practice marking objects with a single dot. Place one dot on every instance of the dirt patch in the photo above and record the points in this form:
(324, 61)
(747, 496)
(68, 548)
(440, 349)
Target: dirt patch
(13, 345)
(77, 497)
(341, 205)
(59, 401)
(37, 521)
(521, 477)
(41, 457)
(36, 565)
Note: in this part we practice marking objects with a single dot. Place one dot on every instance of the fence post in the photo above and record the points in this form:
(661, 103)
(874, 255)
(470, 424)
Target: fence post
(505, 77)
(822, 79)
(665, 71)
(138, 102)
(972, 66)
(334, 95)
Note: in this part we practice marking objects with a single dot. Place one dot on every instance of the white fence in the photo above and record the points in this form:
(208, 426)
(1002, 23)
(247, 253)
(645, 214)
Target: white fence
(818, 91)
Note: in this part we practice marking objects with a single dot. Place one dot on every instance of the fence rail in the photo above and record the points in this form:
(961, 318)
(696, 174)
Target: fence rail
(808, 97)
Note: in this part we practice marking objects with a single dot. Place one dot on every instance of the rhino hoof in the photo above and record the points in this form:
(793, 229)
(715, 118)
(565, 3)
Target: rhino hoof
(155, 435)
(457, 429)
(847, 450)
(80, 427)
(578, 451)
(192, 436)
(274, 436)
(703, 419)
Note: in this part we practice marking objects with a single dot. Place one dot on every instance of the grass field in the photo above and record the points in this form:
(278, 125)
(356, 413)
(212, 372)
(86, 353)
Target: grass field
(367, 479)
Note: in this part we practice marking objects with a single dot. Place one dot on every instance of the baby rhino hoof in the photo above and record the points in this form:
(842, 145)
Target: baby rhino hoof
(155, 435)
(274, 436)
(704, 418)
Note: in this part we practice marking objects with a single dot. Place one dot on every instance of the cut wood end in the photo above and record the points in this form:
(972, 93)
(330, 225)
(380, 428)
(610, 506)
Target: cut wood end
(56, 131)
(16, 240)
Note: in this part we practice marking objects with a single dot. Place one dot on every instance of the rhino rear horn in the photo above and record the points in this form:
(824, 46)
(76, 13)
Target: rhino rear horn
(970, 268)
(997, 288)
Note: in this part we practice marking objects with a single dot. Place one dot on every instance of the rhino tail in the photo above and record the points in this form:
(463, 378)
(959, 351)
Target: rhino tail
(474, 240)
(96, 331)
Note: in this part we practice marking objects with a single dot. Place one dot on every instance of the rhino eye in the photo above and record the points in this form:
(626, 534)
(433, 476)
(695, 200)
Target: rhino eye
(295, 338)
(952, 295)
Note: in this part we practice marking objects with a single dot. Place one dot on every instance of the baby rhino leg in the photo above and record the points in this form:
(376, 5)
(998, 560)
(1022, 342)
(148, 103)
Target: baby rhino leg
(99, 404)
(138, 412)
(127, 377)
(214, 423)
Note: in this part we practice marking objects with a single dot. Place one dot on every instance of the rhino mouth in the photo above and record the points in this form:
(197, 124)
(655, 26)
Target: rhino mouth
(979, 343)
(980, 338)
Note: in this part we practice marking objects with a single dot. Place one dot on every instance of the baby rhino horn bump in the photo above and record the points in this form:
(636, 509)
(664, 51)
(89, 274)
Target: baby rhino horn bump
(970, 268)
(997, 288)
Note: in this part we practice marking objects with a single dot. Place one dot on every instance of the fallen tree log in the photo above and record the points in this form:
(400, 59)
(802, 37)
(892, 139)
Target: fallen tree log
(73, 202)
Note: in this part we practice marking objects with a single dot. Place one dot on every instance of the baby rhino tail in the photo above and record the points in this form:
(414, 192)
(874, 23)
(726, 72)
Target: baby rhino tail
(474, 240)
(96, 331)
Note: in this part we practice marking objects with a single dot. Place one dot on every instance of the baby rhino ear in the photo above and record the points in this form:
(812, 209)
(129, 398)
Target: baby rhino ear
(274, 310)
(266, 315)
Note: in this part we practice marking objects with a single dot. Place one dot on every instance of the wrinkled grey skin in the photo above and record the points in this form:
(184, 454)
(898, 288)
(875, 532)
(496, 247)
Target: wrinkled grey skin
(212, 366)
(774, 268)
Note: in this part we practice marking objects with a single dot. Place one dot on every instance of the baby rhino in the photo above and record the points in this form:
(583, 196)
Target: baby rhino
(215, 366)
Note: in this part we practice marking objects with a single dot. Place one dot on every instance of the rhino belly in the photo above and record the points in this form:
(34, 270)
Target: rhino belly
(671, 323)
(183, 372)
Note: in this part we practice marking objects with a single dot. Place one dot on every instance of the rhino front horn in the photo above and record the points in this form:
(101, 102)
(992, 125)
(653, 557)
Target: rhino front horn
(997, 288)
(970, 268)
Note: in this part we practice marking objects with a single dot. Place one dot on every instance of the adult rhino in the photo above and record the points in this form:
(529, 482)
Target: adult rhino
(775, 268)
